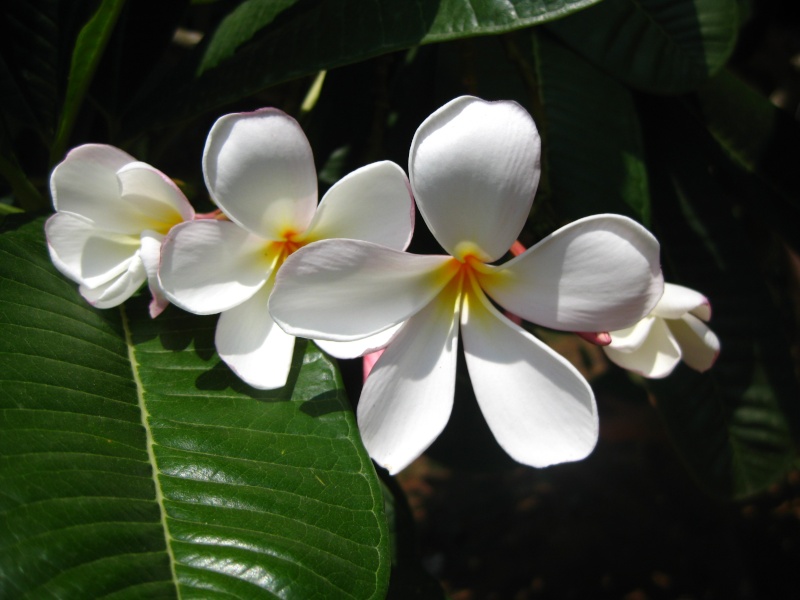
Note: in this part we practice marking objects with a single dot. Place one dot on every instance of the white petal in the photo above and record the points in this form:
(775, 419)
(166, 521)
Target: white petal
(631, 338)
(601, 273)
(373, 204)
(678, 300)
(211, 266)
(118, 290)
(474, 168)
(538, 406)
(699, 345)
(85, 254)
(252, 345)
(344, 290)
(150, 254)
(85, 183)
(260, 171)
(361, 347)
(153, 194)
(656, 358)
(408, 396)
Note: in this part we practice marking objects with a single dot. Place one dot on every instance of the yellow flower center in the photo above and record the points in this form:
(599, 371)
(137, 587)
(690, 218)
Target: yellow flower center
(278, 251)
(469, 270)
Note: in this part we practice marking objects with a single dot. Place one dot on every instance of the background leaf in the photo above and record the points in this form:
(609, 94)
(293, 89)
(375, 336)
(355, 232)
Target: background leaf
(762, 143)
(664, 46)
(733, 425)
(295, 44)
(171, 478)
(592, 144)
(86, 56)
(239, 26)
(31, 36)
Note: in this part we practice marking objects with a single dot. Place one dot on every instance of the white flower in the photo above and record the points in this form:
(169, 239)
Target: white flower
(111, 214)
(674, 330)
(474, 168)
(259, 170)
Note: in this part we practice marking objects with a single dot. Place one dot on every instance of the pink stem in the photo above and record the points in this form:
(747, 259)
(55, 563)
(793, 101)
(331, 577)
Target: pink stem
(370, 360)
(599, 338)
(214, 214)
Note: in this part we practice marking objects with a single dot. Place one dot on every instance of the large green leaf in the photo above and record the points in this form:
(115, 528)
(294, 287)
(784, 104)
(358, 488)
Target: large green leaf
(592, 141)
(733, 425)
(664, 46)
(318, 35)
(135, 465)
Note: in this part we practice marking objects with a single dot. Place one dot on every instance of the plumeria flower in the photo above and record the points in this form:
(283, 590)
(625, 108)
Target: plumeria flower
(474, 169)
(259, 170)
(112, 212)
(674, 330)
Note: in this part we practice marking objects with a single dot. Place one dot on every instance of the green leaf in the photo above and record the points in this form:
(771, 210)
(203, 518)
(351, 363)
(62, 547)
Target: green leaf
(24, 191)
(309, 37)
(662, 46)
(134, 464)
(748, 127)
(239, 26)
(88, 51)
(593, 148)
(733, 425)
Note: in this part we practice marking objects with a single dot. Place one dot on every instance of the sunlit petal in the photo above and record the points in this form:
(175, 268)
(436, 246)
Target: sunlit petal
(211, 266)
(345, 290)
(601, 273)
(86, 255)
(656, 358)
(408, 396)
(116, 291)
(678, 300)
(361, 347)
(154, 195)
(260, 171)
(86, 183)
(699, 345)
(538, 406)
(474, 168)
(252, 345)
(631, 338)
(373, 204)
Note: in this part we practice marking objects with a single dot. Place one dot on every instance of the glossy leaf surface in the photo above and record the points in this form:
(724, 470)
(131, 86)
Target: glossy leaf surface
(134, 464)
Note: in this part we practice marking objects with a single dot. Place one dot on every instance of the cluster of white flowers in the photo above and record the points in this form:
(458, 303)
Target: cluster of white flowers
(276, 266)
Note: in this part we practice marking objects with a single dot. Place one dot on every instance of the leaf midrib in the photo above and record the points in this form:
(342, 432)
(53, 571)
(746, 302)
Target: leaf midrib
(159, 499)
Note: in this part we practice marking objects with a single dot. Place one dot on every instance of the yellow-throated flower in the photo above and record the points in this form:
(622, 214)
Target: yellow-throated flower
(474, 167)
(259, 170)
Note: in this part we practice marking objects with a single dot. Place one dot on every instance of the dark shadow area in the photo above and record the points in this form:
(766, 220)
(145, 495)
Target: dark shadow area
(324, 404)
(626, 523)
(221, 377)
(186, 330)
